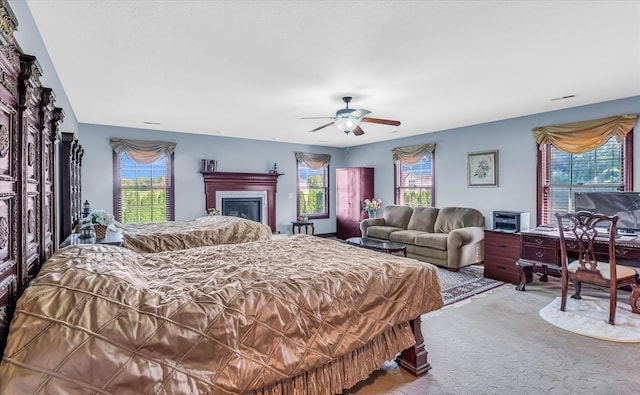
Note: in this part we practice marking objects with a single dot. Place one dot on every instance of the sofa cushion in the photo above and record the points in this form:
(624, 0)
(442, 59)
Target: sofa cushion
(437, 241)
(423, 218)
(405, 236)
(397, 216)
(451, 218)
(381, 232)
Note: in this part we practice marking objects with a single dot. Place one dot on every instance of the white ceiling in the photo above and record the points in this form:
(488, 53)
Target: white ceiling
(252, 69)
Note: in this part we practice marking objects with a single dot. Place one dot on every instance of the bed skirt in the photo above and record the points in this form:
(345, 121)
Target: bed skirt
(347, 371)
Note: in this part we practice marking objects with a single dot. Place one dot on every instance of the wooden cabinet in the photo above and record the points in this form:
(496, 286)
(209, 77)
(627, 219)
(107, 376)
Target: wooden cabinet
(353, 185)
(28, 132)
(51, 118)
(71, 153)
(10, 187)
(501, 252)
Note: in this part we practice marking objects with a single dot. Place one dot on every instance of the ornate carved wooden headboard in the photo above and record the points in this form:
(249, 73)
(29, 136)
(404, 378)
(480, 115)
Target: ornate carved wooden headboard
(29, 124)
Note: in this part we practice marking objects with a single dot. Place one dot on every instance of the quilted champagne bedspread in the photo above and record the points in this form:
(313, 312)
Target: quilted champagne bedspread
(213, 320)
(180, 235)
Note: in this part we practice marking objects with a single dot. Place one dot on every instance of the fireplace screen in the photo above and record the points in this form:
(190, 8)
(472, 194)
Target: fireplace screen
(247, 208)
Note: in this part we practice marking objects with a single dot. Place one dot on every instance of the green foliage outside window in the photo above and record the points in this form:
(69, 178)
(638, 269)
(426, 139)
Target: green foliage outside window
(414, 184)
(312, 197)
(144, 205)
(416, 198)
(311, 201)
(598, 170)
(143, 191)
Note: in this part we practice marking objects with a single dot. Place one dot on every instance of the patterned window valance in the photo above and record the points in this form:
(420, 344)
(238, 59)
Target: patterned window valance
(313, 161)
(143, 152)
(410, 155)
(579, 137)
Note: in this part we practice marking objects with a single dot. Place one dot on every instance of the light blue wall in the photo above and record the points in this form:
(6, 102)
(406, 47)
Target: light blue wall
(516, 147)
(512, 138)
(232, 154)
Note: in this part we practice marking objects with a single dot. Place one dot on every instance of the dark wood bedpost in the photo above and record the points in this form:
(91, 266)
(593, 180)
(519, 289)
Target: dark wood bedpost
(414, 358)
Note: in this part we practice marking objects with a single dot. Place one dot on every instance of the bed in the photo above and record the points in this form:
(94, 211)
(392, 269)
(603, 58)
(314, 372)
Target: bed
(296, 315)
(199, 232)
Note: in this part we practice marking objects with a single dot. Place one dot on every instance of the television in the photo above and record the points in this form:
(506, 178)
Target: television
(626, 205)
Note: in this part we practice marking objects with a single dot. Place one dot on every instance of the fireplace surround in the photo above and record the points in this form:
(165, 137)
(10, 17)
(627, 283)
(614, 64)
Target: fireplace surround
(219, 185)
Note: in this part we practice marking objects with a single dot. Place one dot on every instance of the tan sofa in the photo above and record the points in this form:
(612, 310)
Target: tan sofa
(452, 237)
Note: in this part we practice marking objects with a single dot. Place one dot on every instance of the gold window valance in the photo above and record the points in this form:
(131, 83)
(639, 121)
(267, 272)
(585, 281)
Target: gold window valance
(313, 161)
(579, 137)
(143, 152)
(412, 154)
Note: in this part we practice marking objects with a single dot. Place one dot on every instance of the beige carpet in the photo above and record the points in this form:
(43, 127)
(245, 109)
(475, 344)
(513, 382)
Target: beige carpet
(496, 343)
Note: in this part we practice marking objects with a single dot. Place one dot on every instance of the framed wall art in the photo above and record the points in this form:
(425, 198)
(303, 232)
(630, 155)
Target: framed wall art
(482, 169)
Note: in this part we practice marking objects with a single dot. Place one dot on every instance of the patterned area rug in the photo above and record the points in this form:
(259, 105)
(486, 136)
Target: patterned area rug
(465, 283)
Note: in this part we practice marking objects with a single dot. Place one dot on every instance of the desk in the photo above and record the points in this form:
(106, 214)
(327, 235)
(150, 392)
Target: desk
(299, 225)
(541, 248)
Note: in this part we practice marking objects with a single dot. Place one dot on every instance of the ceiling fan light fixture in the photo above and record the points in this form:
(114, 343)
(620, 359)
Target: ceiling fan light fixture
(347, 124)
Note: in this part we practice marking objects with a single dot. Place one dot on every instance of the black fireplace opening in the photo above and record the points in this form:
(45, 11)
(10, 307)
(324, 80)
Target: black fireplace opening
(247, 208)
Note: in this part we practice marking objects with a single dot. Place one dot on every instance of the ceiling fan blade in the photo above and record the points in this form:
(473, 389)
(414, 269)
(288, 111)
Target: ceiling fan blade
(358, 131)
(321, 127)
(382, 121)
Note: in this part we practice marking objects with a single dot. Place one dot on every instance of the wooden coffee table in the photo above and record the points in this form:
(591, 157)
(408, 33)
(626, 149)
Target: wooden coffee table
(378, 245)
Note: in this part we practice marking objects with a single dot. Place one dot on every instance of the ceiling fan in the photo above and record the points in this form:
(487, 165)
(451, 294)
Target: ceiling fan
(348, 119)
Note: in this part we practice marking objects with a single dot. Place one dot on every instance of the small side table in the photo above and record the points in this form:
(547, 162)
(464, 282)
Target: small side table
(299, 225)
(112, 238)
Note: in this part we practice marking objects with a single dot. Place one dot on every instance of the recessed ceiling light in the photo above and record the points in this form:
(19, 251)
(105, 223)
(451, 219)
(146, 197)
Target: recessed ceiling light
(275, 138)
(151, 123)
(393, 132)
(323, 141)
(563, 97)
(220, 133)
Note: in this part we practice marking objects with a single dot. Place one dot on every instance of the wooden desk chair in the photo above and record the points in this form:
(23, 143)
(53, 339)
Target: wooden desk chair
(581, 231)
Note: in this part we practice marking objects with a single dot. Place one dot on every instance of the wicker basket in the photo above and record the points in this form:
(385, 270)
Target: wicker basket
(101, 231)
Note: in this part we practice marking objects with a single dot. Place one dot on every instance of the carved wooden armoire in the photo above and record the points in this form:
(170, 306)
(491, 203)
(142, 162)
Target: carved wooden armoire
(70, 181)
(29, 124)
(353, 185)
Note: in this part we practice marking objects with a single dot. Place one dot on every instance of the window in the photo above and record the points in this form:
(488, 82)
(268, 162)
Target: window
(414, 184)
(313, 185)
(143, 184)
(562, 174)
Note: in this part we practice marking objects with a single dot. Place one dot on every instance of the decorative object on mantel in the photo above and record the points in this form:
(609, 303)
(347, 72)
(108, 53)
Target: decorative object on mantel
(371, 206)
(275, 169)
(209, 165)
